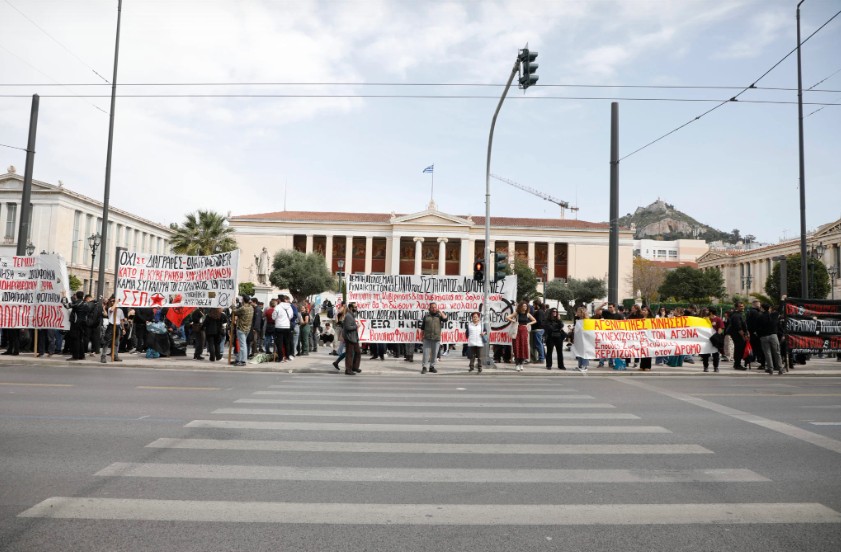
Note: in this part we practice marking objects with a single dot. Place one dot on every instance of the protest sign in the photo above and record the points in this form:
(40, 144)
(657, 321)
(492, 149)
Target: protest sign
(642, 337)
(812, 326)
(391, 308)
(145, 280)
(31, 292)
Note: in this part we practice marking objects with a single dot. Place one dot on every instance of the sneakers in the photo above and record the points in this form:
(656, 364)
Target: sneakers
(432, 370)
(423, 370)
(519, 368)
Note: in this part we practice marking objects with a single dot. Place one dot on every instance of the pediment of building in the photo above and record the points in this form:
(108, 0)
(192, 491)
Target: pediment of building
(712, 255)
(828, 229)
(431, 217)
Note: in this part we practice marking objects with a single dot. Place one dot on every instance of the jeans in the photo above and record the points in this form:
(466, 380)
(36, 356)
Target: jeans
(268, 341)
(537, 344)
(242, 354)
(771, 348)
(430, 352)
(296, 334)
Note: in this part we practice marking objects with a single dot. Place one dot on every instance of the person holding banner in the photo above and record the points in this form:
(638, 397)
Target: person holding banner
(431, 326)
(350, 330)
(524, 321)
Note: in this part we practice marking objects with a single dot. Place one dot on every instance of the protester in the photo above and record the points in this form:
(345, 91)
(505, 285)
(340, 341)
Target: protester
(583, 363)
(767, 324)
(213, 327)
(350, 330)
(555, 336)
(306, 329)
(198, 333)
(717, 339)
(476, 337)
(243, 315)
(737, 329)
(431, 326)
(524, 320)
(282, 316)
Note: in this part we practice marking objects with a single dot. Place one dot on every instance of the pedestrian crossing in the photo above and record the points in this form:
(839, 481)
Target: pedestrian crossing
(457, 452)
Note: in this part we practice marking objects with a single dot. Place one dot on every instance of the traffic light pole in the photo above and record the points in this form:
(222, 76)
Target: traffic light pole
(487, 282)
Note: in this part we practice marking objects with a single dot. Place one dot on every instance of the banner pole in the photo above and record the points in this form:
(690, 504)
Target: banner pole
(35, 347)
(114, 334)
(115, 345)
(230, 337)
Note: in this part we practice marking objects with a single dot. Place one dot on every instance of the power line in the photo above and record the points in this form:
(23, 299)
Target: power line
(734, 98)
(822, 80)
(54, 39)
(412, 96)
(423, 84)
(13, 147)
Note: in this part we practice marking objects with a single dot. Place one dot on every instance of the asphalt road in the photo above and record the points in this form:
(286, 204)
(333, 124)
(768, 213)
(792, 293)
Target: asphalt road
(136, 459)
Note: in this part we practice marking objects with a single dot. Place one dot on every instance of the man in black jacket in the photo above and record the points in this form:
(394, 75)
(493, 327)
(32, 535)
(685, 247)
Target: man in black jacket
(752, 317)
(737, 329)
(78, 335)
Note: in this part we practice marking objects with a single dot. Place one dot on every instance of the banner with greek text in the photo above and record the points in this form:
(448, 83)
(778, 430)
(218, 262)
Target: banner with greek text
(31, 292)
(642, 337)
(812, 326)
(145, 280)
(391, 308)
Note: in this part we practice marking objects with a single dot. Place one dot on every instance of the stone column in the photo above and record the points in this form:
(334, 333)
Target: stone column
(308, 248)
(550, 261)
(393, 249)
(369, 254)
(418, 255)
(465, 266)
(531, 256)
(328, 253)
(442, 256)
(348, 254)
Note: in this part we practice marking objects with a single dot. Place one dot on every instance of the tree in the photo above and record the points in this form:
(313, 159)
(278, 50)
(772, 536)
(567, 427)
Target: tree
(690, 284)
(526, 281)
(302, 274)
(818, 278)
(586, 291)
(647, 277)
(203, 233)
(246, 288)
(74, 283)
(558, 290)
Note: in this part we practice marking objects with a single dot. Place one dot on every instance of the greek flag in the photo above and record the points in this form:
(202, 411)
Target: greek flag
(430, 168)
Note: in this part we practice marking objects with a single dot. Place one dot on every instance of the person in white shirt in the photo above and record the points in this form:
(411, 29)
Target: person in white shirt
(475, 341)
(114, 316)
(282, 317)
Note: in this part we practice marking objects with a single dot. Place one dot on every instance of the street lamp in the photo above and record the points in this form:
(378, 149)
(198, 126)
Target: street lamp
(93, 241)
(833, 274)
(816, 253)
(30, 248)
(746, 281)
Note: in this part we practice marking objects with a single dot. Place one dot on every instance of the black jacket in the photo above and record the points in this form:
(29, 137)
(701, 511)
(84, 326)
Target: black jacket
(555, 329)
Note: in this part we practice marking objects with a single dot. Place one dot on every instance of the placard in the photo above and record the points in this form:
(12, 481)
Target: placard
(31, 292)
(596, 338)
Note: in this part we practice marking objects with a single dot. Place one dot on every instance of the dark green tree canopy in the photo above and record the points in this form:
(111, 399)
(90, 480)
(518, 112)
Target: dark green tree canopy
(302, 274)
(246, 288)
(203, 233)
(819, 285)
(690, 284)
(526, 281)
(573, 289)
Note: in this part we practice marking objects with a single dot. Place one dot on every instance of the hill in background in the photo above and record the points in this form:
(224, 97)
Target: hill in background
(661, 221)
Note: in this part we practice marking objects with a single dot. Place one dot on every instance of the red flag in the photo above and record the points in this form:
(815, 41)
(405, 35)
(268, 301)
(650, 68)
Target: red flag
(176, 315)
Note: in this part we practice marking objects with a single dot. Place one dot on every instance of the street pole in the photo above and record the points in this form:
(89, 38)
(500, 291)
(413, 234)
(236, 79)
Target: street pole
(100, 285)
(804, 277)
(26, 200)
(486, 282)
(613, 240)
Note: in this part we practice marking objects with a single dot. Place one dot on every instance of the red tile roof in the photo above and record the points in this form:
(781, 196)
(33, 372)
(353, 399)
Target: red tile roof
(333, 216)
(674, 264)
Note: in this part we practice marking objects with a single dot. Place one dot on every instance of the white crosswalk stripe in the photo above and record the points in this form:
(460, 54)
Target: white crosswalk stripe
(509, 434)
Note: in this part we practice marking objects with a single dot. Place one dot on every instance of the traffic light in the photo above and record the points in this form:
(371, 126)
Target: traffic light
(500, 266)
(528, 68)
(479, 271)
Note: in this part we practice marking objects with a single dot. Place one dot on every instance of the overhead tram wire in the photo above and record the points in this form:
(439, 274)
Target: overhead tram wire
(54, 39)
(417, 84)
(409, 96)
(734, 98)
(13, 147)
(820, 82)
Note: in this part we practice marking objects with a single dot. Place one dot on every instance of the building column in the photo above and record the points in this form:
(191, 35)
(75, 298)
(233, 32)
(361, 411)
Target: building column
(393, 250)
(442, 256)
(550, 261)
(328, 253)
(466, 263)
(418, 255)
(348, 254)
(369, 245)
(531, 259)
(308, 248)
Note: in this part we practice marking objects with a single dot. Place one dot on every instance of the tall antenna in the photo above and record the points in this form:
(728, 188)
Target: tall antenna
(563, 204)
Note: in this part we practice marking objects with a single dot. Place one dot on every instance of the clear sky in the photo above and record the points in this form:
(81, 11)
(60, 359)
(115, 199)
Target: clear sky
(319, 136)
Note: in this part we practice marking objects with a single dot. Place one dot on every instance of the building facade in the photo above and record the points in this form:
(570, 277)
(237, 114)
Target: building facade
(745, 271)
(674, 251)
(431, 242)
(63, 220)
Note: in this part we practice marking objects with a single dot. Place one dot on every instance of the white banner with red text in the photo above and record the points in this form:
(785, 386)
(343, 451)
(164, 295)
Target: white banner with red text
(31, 292)
(391, 308)
(145, 280)
(642, 337)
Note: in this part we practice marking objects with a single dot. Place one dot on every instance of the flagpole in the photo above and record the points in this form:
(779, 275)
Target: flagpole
(432, 186)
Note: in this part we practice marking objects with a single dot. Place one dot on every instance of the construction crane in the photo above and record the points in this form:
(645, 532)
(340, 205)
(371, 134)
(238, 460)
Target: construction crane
(563, 204)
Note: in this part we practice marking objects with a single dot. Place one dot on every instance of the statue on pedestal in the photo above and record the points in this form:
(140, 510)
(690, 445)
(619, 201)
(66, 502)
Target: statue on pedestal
(263, 261)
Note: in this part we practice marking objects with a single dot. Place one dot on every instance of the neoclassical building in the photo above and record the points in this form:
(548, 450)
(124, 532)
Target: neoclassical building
(432, 242)
(63, 220)
(745, 271)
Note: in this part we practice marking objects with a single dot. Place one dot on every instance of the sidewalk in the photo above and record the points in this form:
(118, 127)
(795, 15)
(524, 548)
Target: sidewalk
(452, 364)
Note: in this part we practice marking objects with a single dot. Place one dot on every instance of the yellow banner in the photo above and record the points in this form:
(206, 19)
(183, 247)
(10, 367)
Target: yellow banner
(635, 324)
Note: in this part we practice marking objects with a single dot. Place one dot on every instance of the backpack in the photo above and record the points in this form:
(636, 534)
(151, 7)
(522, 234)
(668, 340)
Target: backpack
(93, 317)
(619, 364)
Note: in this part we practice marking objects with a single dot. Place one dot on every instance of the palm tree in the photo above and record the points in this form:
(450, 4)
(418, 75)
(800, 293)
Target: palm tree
(203, 233)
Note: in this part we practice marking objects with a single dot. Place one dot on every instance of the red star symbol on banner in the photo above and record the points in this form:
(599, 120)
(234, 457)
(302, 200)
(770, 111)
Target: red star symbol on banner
(158, 299)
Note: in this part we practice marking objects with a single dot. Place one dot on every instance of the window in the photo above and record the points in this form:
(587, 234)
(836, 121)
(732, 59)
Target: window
(11, 219)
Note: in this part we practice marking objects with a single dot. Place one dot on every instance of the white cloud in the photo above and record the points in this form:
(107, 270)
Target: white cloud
(763, 30)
